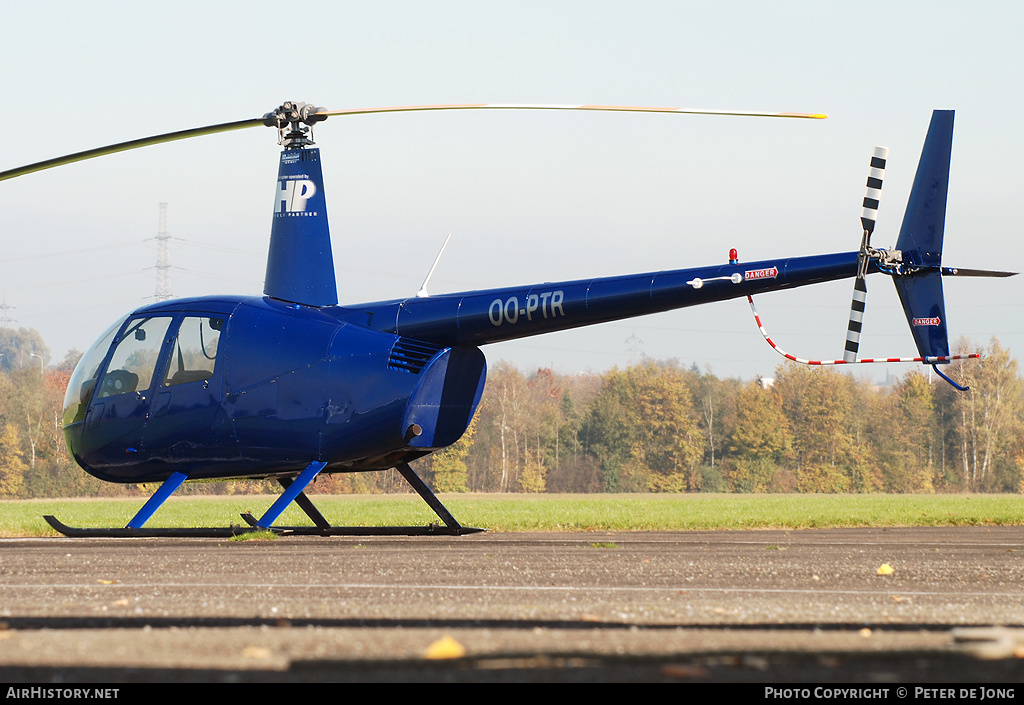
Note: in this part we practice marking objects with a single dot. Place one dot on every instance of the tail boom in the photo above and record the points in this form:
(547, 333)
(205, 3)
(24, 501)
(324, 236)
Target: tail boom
(496, 315)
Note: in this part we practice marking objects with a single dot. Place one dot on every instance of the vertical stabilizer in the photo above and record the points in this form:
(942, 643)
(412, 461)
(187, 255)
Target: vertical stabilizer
(300, 266)
(923, 303)
(923, 223)
(920, 282)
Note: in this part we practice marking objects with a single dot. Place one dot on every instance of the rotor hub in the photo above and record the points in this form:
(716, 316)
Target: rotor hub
(294, 123)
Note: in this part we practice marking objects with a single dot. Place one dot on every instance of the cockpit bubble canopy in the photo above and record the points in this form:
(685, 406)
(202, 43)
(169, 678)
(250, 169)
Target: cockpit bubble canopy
(190, 356)
(82, 381)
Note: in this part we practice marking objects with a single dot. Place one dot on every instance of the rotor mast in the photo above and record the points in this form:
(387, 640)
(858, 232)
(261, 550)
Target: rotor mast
(300, 263)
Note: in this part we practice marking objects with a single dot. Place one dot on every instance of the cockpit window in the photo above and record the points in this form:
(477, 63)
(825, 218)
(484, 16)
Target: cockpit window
(134, 360)
(195, 351)
(82, 381)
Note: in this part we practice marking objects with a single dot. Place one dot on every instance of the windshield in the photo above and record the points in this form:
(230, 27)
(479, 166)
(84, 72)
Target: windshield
(134, 358)
(82, 381)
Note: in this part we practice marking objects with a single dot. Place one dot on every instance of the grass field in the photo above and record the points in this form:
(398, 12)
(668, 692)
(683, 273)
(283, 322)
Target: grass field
(635, 512)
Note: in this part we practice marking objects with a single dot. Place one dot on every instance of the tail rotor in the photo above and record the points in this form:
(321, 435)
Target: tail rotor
(915, 264)
(868, 216)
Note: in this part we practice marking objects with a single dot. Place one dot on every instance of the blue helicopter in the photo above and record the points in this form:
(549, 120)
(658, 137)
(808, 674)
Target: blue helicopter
(292, 384)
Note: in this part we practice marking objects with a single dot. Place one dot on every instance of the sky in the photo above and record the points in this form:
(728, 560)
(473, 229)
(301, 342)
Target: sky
(528, 197)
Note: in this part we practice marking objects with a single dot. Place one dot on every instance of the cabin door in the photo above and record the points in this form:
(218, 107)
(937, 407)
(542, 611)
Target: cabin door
(120, 407)
(185, 417)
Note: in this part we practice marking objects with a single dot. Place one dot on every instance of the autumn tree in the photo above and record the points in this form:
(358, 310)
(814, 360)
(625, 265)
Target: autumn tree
(541, 438)
(574, 469)
(988, 416)
(504, 404)
(714, 401)
(608, 432)
(759, 439)
(903, 435)
(449, 465)
(22, 348)
(12, 467)
(643, 429)
(818, 403)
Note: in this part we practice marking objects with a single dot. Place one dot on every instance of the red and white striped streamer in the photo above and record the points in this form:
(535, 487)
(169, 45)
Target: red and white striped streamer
(794, 358)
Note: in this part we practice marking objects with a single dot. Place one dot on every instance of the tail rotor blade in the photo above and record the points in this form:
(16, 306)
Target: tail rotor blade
(860, 297)
(876, 174)
(868, 216)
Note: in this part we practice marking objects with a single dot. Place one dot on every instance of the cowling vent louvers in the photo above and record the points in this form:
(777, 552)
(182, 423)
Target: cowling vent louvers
(411, 355)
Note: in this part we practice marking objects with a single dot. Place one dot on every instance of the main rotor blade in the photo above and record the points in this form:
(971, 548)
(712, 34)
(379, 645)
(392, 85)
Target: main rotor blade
(255, 122)
(132, 144)
(542, 106)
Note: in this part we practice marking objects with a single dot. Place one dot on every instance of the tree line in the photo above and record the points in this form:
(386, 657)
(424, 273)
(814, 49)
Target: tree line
(660, 427)
(655, 426)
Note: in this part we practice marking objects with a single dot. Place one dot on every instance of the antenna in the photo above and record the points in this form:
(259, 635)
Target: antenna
(422, 293)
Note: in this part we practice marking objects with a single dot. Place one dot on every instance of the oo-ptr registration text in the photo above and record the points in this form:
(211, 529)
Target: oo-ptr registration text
(549, 303)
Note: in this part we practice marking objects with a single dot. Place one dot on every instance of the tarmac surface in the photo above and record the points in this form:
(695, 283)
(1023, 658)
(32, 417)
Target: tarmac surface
(934, 605)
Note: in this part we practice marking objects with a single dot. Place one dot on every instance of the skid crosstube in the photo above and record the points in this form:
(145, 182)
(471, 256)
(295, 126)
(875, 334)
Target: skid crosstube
(451, 526)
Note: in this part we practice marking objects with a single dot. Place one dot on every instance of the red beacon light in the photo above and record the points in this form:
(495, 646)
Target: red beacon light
(734, 256)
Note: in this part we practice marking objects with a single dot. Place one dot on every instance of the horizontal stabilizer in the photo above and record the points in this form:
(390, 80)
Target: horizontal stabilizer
(961, 272)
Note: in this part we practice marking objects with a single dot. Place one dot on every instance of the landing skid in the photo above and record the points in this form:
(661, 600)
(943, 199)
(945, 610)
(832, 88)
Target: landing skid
(235, 530)
(292, 492)
(209, 532)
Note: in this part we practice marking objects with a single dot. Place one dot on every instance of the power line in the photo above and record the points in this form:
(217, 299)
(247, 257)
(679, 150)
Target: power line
(4, 317)
(163, 258)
